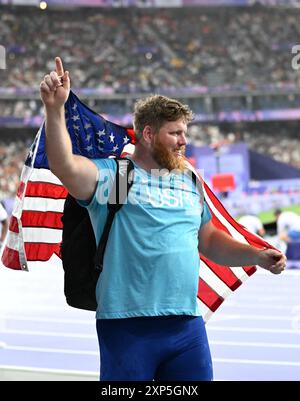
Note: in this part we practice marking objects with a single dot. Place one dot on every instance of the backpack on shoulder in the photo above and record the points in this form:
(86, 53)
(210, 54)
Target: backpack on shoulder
(81, 258)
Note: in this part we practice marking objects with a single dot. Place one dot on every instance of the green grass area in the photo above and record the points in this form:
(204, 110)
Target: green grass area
(268, 216)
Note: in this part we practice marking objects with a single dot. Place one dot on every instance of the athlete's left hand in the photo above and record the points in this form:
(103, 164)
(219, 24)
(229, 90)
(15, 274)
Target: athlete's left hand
(271, 260)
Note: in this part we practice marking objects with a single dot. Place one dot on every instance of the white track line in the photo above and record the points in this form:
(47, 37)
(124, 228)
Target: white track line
(253, 330)
(254, 344)
(48, 333)
(286, 299)
(235, 304)
(255, 362)
(228, 316)
(45, 370)
(51, 350)
(90, 322)
(96, 353)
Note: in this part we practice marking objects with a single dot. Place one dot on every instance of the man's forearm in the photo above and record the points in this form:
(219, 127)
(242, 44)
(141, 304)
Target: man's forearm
(226, 251)
(58, 142)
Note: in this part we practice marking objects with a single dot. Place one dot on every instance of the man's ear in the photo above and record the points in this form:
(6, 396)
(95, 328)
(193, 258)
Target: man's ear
(147, 134)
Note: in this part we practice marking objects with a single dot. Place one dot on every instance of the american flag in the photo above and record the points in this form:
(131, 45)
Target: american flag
(35, 230)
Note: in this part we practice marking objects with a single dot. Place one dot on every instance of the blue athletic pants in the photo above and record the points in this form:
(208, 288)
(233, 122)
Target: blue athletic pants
(171, 348)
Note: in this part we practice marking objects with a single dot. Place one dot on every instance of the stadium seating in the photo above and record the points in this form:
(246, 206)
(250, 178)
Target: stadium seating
(145, 50)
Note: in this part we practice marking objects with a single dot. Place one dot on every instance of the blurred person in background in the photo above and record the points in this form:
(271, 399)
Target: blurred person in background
(288, 225)
(3, 224)
(149, 324)
(253, 224)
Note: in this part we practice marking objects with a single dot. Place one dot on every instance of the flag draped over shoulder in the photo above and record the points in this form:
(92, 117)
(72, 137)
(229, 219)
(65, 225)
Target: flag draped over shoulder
(35, 229)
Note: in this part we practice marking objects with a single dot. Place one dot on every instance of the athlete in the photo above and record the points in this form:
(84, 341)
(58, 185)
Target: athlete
(148, 321)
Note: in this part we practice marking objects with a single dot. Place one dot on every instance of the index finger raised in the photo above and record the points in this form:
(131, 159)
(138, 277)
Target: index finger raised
(59, 66)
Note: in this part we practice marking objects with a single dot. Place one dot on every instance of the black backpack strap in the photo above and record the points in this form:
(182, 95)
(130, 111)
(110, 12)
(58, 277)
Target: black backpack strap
(198, 184)
(122, 184)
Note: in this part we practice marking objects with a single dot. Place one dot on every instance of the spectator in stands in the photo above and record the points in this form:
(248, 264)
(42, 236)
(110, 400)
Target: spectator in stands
(153, 50)
(4, 224)
(253, 224)
(288, 225)
(149, 50)
(12, 157)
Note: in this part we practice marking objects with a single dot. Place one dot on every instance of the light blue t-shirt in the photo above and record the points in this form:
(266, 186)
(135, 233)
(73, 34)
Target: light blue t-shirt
(151, 261)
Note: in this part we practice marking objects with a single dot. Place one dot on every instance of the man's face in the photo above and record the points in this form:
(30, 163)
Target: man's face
(168, 145)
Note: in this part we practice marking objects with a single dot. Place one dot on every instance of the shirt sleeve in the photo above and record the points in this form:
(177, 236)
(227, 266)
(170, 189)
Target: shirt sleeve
(107, 169)
(206, 214)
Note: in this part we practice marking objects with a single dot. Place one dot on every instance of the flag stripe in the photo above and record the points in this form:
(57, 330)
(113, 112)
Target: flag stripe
(46, 190)
(43, 204)
(42, 235)
(222, 223)
(208, 296)
(43, 175)
(21, 189)
(42, 219)
(213, 281)
(13, 225)
(212, 203)
(41, 251)
(131, 133)
(224, 273)
(250, 270)
(237, 272)
(10, 258)
(220, 226)
(245, 236)
(206, 313)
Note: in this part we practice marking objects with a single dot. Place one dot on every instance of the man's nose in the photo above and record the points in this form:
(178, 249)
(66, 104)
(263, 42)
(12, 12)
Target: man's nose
(182, 140)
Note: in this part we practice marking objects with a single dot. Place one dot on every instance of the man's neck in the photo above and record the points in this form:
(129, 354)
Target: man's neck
(144, 159)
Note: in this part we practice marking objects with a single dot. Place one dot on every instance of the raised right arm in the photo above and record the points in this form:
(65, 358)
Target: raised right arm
(77, 173)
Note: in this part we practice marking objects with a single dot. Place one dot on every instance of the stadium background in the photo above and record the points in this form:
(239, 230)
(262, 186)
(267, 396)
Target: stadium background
(233, 62)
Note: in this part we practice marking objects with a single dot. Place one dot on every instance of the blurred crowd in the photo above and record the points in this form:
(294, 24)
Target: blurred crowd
(12, 156)
(143, 50)
(20, 108)
(278, 140)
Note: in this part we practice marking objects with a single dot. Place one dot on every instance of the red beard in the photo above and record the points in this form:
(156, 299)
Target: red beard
(166, 158)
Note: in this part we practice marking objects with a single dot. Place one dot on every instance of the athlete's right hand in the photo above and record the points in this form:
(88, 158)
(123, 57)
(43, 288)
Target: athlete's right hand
(55, 87)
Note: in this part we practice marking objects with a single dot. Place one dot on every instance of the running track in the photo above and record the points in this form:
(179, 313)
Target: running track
(255, 335)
